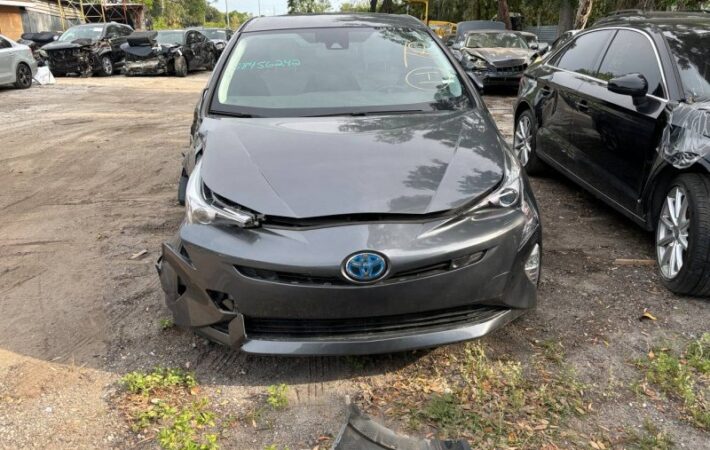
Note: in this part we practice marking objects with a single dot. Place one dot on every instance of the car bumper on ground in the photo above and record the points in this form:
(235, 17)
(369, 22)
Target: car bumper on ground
(280, 291)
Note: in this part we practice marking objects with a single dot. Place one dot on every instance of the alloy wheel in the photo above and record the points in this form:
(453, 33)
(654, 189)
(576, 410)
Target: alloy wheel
(24, 76)
(522, 142)
(672, 233)
(107, 65)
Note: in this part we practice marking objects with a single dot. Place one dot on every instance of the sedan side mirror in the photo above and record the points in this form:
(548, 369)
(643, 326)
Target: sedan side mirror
(633, 84)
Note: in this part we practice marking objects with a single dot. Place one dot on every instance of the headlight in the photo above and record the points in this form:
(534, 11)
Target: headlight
(476, 63)
(204, 208)
(511, 194)
(219, 45)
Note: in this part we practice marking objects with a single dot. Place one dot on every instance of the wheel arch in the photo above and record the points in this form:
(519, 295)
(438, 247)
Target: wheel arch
(523, 106)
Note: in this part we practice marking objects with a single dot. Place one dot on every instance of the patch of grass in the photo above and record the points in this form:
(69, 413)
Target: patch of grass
(492, 403)
(159, 378)
(276, 397)
(552, 350)
(166, 323)
(683, 376)
(275, 447)
(166, 404)
(651, 438)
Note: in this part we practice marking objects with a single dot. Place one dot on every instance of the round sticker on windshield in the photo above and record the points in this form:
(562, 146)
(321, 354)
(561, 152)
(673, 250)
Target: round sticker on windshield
(427, 78)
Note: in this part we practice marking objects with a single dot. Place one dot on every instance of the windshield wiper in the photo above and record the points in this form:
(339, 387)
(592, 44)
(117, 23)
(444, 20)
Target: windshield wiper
(235, 114)
(369, 113)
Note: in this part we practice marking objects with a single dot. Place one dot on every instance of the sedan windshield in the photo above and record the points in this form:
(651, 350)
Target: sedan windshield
(335, 71)
(81, 32)
(691, 49)
(169, 37)
(215, 34)
(495, 40)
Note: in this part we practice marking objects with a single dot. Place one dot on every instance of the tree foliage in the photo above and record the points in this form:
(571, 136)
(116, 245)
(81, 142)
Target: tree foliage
(308, 6)
(167, 14)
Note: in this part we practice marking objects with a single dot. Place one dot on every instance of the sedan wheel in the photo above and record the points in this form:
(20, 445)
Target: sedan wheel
(683, 235)
(523, 139)
(672, 233)
(524, 143)
(106, 66)
(23, 77)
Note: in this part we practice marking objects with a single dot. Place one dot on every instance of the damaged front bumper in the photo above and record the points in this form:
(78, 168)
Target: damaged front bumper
(149, 66)
(280, 290)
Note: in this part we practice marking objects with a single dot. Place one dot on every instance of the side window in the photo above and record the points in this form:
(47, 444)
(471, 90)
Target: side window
(4, 43)
(190, 38)
(582, 54)
(199, 37)
(112, 32)
(632, 52)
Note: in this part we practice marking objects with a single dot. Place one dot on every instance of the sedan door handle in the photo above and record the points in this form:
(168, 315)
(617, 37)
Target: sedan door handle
(583, 106)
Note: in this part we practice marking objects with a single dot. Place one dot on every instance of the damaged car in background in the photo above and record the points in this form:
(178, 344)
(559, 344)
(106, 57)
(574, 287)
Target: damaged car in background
(219, 36)
(173, 52)
(35, 41)
(87, 49)
(623, 109)
(496, 58)
(336, 204)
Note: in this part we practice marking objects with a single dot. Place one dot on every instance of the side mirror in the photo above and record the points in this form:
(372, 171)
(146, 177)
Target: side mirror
(476, 82)
(633, 84)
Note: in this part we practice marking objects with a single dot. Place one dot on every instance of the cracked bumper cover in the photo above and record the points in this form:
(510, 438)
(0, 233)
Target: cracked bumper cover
(204, 259)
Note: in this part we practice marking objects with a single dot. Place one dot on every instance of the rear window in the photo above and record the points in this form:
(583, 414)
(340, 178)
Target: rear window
(337, 71)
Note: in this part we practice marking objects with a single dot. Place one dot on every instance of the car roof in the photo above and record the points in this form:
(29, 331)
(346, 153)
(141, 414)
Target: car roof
(654, 20)
(330, 21)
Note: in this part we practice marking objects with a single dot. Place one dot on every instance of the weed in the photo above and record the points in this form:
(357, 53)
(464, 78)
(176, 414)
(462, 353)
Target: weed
(652, 438)
(165, 401)
(682, 376)
(166, 323)
(277, 398)
(159, 378)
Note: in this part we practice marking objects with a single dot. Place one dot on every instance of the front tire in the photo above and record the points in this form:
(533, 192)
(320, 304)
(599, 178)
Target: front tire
(23, 76)
(180, 66)
(524, 143)
(683, 236)
(106, 69)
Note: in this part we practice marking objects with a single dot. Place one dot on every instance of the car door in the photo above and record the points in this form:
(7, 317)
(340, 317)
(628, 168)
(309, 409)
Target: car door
(558, 82)
(7, 62)
(203, 47)
(615, 134)
(193, 57)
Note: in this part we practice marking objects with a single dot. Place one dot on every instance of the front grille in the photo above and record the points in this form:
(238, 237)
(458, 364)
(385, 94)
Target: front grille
(511, 70)
(269, 328)
(305, 279)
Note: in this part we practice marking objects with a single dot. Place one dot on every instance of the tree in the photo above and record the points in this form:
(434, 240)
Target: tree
(566, 16)
(504, 14)
(308, 6)
(356, 7)
(583, 12)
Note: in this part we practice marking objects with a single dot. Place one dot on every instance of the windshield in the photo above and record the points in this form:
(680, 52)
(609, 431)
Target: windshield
(215, 34)
(82, 32)
(338, 71)
(691, 49)
(169, 37)
(495, 40)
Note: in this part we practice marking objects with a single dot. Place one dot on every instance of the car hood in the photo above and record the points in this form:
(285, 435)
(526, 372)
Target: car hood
(67, 45)
(314, 167)
(501, 57)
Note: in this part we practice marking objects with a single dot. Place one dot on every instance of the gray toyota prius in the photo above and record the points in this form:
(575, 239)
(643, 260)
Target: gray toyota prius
(347, 192)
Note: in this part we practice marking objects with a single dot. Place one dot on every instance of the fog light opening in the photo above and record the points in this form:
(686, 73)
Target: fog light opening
(532, 265)
(222, 300)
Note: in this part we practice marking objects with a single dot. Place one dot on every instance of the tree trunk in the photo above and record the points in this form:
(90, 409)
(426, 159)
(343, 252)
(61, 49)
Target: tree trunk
(504, 14)
(566, 16)
(583, 12)
(373, 5)
(387, 7)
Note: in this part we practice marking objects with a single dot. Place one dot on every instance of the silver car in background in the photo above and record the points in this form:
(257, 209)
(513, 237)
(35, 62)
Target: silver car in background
(17, 65)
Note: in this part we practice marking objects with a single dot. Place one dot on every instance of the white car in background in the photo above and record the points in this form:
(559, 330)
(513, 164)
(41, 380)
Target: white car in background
(17, 65)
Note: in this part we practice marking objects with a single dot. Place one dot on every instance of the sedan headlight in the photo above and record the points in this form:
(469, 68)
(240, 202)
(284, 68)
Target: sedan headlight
(510, 194)
(475, 63)
(202, 206)
(219, 45)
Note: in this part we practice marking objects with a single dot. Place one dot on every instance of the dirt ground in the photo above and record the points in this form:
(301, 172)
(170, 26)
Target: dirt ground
(88, 170)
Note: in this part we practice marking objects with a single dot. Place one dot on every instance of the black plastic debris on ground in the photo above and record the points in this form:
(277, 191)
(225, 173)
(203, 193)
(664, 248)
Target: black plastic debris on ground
(362, 433)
